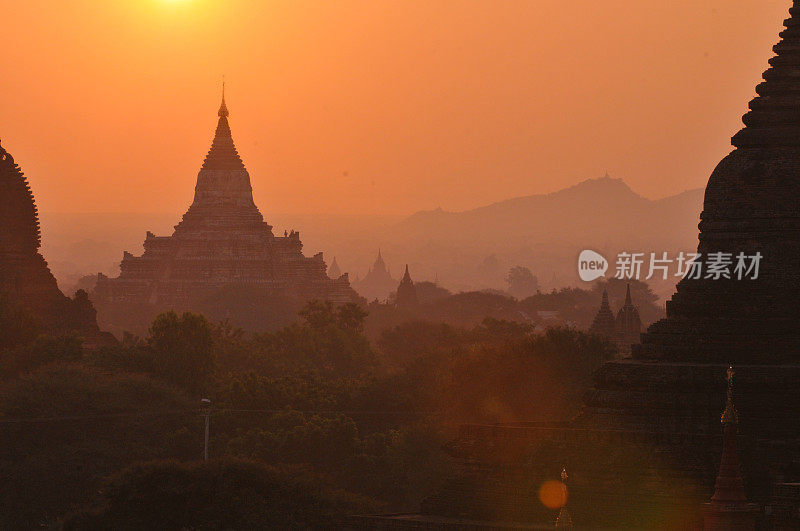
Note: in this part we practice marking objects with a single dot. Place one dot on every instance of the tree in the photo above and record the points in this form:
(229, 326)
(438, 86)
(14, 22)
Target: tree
(68, 426)
(521, 282)
(219, 494)
(17, 327)
(41, 351)
(329, 342)
(351, 317)
(183, 349)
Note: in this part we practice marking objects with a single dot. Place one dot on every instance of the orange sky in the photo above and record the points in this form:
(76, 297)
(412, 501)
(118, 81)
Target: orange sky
(374, 106)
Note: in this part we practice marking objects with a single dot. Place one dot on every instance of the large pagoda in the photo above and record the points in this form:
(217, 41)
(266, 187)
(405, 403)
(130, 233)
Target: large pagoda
(646, 450)
(221, 241)
(26, 282)
(752, 206)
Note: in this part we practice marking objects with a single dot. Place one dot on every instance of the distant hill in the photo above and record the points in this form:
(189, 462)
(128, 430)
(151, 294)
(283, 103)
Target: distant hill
(475, 248)
(594, 212)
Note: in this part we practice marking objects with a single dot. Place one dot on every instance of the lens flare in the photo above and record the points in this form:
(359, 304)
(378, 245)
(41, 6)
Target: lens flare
(553, 494)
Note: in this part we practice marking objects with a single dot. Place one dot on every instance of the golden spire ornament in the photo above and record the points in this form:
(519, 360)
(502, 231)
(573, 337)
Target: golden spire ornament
(730, 415)
(564, 520)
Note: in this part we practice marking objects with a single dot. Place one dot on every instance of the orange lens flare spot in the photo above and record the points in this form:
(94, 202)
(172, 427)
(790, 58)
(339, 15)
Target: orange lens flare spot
(553, 494)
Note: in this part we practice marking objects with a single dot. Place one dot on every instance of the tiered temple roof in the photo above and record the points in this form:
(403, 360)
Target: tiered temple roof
(25, 279)
(19, 218)
(223, 154)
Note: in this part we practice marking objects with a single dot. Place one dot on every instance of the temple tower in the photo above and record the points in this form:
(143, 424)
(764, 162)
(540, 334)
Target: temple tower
(748, 317)
(751, 209)
(752, 206)
(406, 292)
(25, 279)
(604, 324)
(628, 325)
(377, 283)
(333, 269)
(221, 243)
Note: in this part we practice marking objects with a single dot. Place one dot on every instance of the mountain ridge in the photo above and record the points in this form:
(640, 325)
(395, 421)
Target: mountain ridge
(580, 186)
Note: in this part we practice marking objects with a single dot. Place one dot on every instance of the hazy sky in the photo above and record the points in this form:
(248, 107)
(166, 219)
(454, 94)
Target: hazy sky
(374, 106)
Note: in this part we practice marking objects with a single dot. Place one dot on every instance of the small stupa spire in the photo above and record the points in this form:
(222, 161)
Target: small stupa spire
(628, 301)
(730, 415)
(729, 508)
(379, 263)
(333, 270)
(223, 109)
(406, 276)
(406, 292)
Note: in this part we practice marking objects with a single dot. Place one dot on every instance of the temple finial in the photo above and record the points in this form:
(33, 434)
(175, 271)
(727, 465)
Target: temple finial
(223, 109)
(406, 276)
(730, 415)
(628, 300)
(563, 520)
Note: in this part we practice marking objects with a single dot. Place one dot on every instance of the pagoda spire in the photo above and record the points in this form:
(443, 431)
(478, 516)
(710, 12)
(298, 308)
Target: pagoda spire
(406, 292)
(223, 154)
(628, 301)
(379, 263)
(223, 109)
(603, 323)
(563, 520)
(406, 276)
(729, 508)
(729, 487)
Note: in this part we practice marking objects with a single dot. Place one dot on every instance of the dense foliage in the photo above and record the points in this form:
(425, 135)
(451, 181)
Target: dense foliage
(219, 494)
(365, 422)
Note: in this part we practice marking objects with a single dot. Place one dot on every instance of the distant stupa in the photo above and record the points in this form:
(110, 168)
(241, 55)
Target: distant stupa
(222, 240)
(333, 269)
(604, 324)
(406, 292)
(377, 283)
(625, 330)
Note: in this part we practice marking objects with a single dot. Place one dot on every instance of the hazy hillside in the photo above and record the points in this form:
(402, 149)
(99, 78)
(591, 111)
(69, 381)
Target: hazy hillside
(546, 233)
(593, 212)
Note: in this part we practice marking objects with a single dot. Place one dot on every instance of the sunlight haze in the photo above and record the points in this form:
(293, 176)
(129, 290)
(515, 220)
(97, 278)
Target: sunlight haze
(374, 107)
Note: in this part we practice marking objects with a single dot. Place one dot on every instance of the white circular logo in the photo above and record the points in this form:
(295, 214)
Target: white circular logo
(591, 265)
